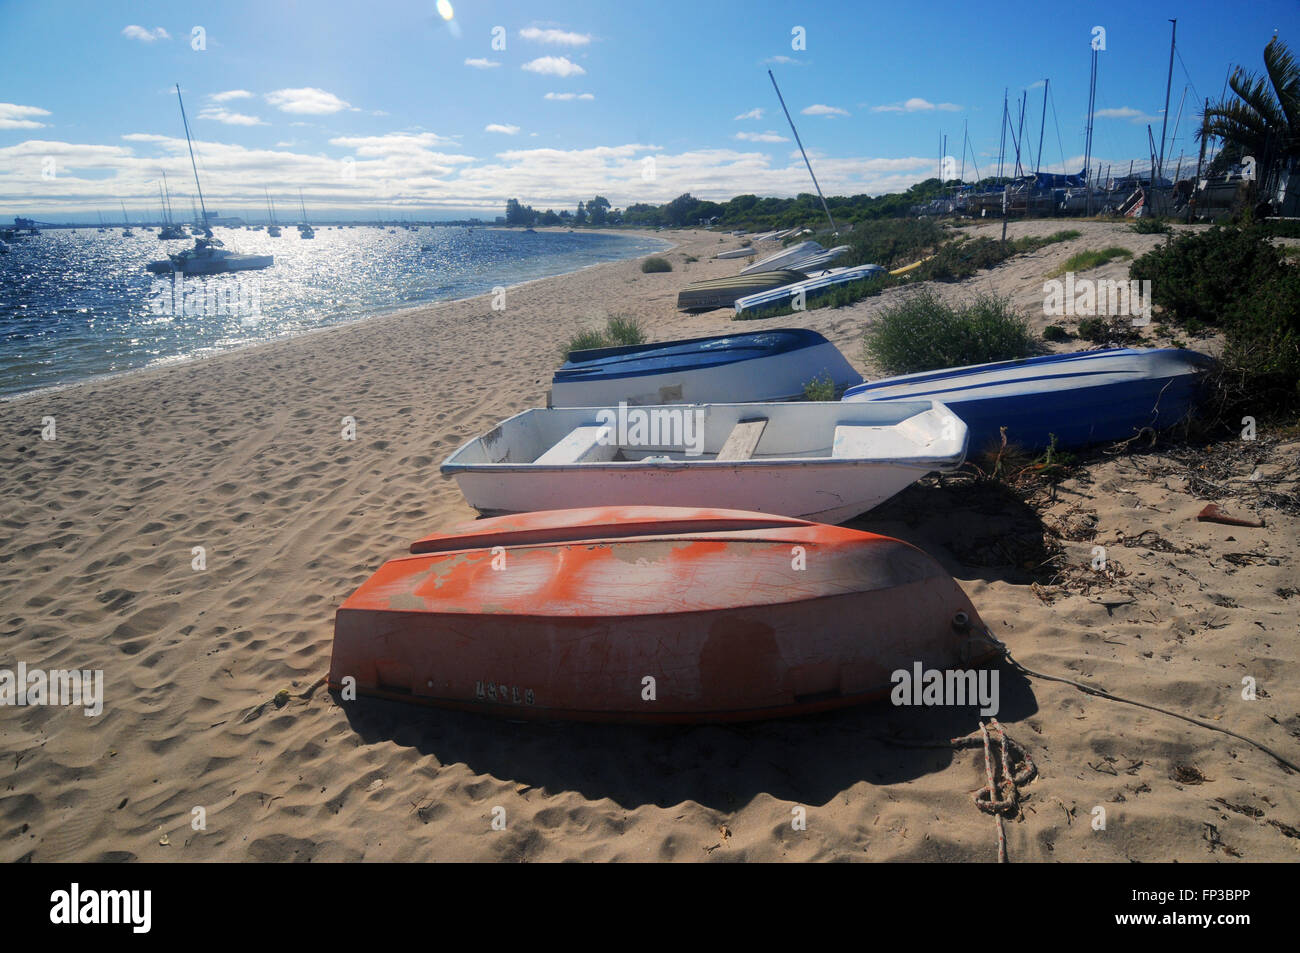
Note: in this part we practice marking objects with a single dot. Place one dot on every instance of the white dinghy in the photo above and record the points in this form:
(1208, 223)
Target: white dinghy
(820, 461)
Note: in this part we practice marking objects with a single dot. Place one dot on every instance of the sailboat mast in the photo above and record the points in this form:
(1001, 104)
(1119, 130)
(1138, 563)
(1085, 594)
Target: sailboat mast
(1168, 82)
(303, 206)
(167, 201)
(193, 164)
(1042, 126)
(801, 149)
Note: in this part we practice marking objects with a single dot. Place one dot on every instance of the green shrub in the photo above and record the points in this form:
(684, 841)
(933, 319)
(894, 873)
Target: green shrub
(924, 333)
(1199, 275)
(1262, 343)
(819, 388)
(887, 242)
(961, 259)
(1150, 226)
(1054, 332)
(690, 258)
(655, 263)
(1280, 229)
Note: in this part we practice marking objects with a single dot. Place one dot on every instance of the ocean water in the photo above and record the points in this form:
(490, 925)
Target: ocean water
(78, 303)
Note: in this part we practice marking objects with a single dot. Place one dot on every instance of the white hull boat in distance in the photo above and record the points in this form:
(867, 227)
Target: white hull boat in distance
(737, 253)
(733, 368)
(822, 461)
(206, 258)
(779, 260)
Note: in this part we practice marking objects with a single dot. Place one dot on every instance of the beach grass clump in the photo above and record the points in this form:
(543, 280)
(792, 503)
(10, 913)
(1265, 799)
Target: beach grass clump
(1086, 260)
(924, 333)
(655, 264)
(619, 331)
(1054, 332)
(623, 331)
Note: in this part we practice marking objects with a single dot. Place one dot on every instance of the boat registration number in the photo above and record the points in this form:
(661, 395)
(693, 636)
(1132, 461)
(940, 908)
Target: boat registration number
(505, 694)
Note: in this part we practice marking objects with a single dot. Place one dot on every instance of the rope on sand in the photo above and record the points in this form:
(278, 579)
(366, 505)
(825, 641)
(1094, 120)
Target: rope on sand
(1102, 693)
(1001, 796)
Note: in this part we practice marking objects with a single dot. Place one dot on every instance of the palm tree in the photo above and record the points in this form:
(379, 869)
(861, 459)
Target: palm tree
(1262, 118)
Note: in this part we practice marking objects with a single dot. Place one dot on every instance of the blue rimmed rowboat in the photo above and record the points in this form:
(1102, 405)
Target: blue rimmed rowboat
(1081, 398)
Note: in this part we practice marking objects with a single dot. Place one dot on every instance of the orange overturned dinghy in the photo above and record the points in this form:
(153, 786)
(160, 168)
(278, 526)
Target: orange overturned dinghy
(656, 614)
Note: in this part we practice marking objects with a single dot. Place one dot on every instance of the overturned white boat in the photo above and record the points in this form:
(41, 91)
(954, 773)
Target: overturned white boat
(820, 461)
(753, 366)
(781, 259)
(736, 253)
(753, 306)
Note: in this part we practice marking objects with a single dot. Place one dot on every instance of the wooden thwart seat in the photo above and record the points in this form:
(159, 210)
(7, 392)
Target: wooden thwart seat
(854, 442)
(590, 444)
(742, 440)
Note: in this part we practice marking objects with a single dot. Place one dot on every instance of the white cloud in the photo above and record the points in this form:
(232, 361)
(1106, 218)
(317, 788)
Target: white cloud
(556, 37)
(554, 66)
(818, 109)
(568, 96)
(481, 63)
(914, 105)
(768, 136)
(134, 32)
(230, 94)
(755, 113)
(424, 170)
(394, 143)
(13, 116)
(1126, 112)
(498, 127)
(307, 100)
(783, 60)
(218, 114)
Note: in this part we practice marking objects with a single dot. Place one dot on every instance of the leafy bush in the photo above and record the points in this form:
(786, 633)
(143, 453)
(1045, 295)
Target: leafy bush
(690, 258)
(1054, 332)
(1278, 228)
(1263, 337)
(888, 242)
(961, 259)
(1198, 276)
(819, 388)
(1150, 226)
(655, 263)
(923, 333)
(1110, 330)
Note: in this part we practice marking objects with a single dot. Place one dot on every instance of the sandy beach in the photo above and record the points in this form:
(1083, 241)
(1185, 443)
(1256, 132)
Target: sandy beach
(243, 454)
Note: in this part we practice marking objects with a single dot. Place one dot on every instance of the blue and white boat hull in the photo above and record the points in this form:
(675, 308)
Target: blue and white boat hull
(757, 366)
(1080, 398)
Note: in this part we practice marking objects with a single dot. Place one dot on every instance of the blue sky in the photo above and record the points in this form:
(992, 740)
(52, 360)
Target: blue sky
(387, 105)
